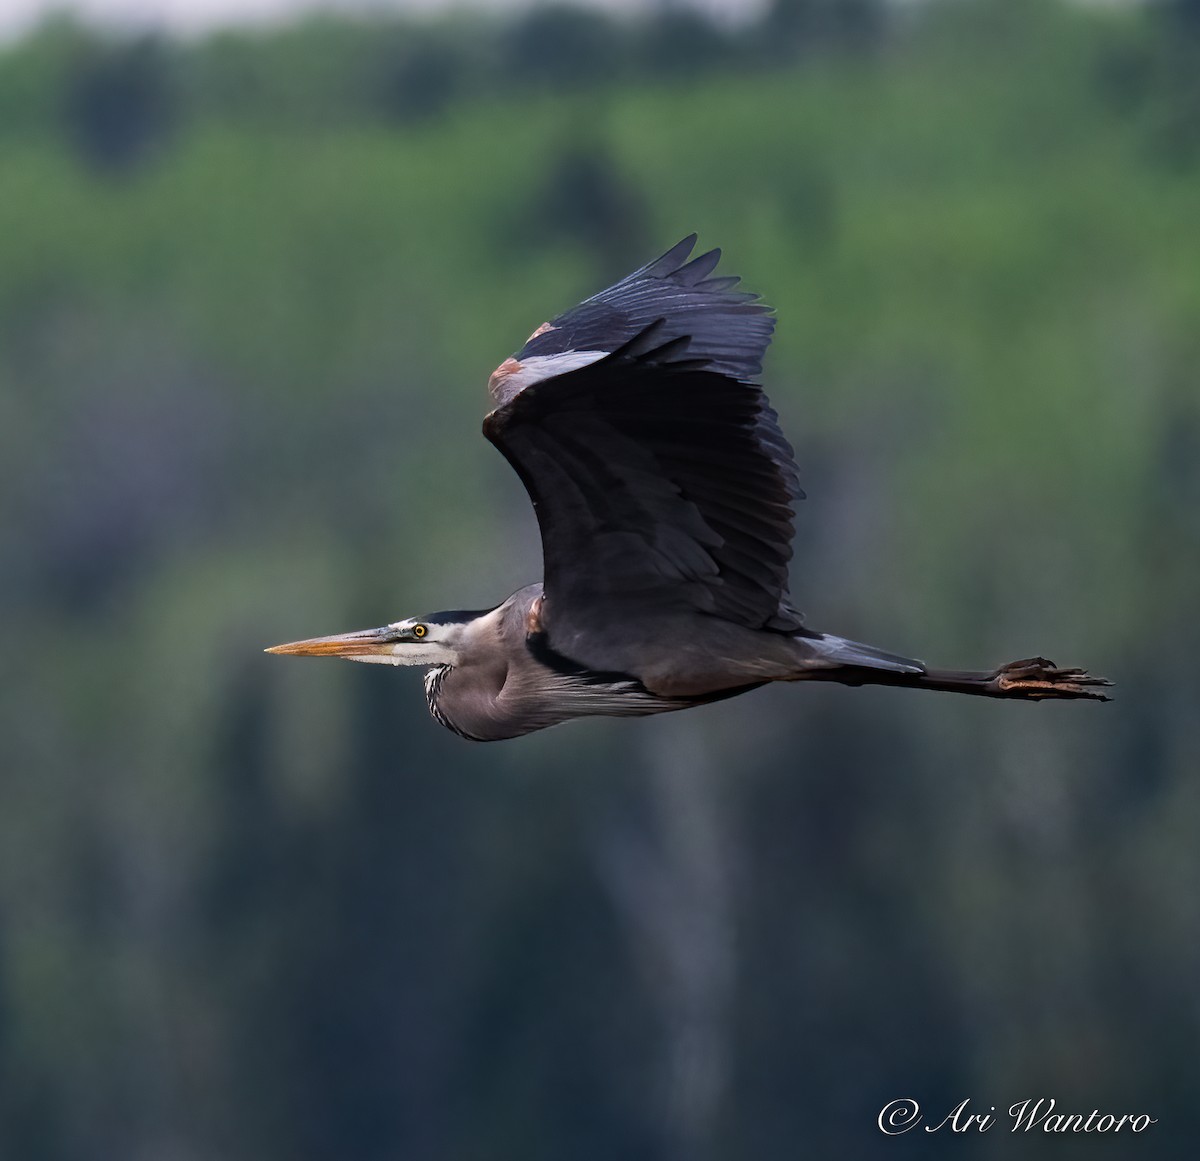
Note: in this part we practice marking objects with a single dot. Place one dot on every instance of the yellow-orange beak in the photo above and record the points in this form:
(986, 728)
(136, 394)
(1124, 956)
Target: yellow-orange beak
(363, 644)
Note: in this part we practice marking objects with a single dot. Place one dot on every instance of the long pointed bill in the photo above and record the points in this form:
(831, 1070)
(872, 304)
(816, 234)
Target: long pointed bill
(367, 644)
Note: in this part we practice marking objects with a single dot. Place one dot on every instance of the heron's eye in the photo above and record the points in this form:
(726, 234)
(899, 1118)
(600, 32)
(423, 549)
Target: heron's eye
(419, 631)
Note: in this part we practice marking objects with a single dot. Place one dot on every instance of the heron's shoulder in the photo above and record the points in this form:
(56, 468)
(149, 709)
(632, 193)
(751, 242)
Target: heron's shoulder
(519, 614)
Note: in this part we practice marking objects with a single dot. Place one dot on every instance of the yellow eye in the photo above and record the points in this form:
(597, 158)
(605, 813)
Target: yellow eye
(419, 631)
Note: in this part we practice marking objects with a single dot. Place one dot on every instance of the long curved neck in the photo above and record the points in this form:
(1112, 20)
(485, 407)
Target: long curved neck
(465, 700)
(480, 695)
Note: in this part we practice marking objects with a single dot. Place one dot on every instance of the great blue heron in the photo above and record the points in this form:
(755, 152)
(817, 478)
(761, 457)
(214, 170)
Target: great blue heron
(663, 489)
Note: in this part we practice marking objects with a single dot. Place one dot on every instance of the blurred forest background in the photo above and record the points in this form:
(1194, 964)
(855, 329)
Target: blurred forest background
(251, 286)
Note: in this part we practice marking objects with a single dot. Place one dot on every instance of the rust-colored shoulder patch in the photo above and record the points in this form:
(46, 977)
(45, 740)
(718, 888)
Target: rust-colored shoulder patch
(540, 331)
(500, 374)
(533, 619)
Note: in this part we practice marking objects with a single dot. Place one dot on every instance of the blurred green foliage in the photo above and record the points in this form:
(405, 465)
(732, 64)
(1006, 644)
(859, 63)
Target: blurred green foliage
(250, 289)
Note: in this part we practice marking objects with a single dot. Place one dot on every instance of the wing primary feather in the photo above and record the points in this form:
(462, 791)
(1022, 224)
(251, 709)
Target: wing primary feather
(698, 268)
(671, 260)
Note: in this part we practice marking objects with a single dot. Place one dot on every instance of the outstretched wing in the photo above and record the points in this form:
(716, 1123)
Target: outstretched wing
(658, 472)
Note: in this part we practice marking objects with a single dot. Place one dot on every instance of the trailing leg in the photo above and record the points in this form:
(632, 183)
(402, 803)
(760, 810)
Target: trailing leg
(1034, 679)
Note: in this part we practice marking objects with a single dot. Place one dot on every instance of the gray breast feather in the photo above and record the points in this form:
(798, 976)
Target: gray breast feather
(534, 700)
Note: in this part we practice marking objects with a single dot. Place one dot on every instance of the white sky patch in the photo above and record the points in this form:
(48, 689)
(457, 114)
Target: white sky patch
(193, 17)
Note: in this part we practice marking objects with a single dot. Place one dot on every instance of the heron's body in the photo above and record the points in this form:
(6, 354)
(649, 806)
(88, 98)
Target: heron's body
(507, 675)
(663, 488)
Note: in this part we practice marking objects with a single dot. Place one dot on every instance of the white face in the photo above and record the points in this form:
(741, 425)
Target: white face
(415, 642)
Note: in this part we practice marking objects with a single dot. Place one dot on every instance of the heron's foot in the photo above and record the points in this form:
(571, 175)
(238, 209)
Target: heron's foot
(1036, 678)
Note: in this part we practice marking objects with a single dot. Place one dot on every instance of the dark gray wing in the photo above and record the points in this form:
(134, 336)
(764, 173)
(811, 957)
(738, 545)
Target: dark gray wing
(660, 480)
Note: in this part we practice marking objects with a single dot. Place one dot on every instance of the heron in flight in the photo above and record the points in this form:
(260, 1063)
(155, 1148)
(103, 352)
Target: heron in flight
(663, 489)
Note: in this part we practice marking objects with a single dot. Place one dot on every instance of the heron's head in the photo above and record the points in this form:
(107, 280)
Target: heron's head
(433, 640)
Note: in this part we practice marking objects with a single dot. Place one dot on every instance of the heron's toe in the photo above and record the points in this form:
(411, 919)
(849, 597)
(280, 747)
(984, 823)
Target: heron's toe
(1036, 678)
